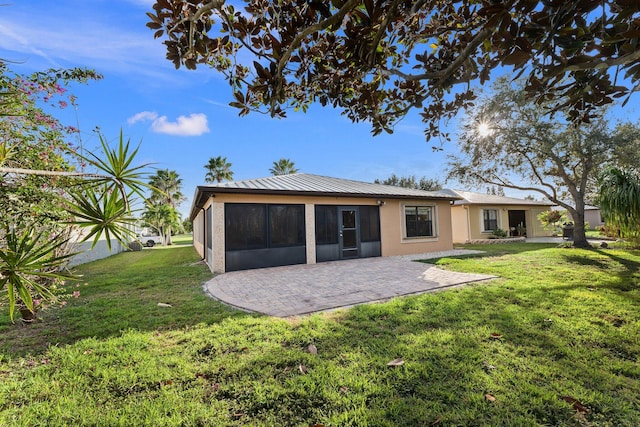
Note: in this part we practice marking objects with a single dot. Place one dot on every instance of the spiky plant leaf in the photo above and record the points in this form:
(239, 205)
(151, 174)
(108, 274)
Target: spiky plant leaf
(28, 262)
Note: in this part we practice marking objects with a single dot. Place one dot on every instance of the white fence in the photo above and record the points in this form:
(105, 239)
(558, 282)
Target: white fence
(86, 254)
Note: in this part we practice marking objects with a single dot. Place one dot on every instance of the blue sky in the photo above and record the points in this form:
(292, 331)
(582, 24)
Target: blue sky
(182, 117)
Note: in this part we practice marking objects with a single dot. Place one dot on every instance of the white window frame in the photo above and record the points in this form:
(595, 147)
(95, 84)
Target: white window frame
(497, 211)
(434, 221)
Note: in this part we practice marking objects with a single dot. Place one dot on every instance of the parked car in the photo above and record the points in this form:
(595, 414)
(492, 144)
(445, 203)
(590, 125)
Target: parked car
(149, 241)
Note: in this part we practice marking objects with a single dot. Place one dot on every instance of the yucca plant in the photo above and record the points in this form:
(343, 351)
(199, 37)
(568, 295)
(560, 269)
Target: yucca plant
(28, 263)
(102, 202)
(619, 200)
(99, 201)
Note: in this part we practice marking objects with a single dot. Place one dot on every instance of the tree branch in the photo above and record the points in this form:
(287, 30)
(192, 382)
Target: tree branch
(295, 43)
(441, 75)
(21, 171)
(215, 4)
(383, 27)
(595, 64)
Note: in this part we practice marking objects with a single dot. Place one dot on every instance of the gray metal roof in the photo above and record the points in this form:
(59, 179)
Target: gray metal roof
(314, 185)
(470, 198)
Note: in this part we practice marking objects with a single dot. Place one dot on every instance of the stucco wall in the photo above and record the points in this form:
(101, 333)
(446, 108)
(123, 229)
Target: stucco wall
(100, 251)
(474, 222)
(198, 234)
(537, 230)
(392, 228)
(391, 223)
(593, 217)
(460, 224)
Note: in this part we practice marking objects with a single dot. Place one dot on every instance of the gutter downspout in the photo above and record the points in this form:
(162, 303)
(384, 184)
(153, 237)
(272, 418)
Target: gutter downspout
(204, 235)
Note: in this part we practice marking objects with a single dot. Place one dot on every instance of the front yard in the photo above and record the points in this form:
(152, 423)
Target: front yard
(554, 341)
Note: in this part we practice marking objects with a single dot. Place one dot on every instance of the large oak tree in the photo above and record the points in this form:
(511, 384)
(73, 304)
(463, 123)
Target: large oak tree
(377, 60)
(513, 143)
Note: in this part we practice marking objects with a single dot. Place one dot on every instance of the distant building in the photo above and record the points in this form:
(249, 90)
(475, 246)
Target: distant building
(476, 216)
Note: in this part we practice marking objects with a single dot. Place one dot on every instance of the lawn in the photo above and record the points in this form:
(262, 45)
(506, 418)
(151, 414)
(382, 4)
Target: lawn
(554, 341)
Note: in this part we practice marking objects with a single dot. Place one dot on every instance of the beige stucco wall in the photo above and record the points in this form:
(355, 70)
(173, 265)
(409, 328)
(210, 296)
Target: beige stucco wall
(468, 221)
(593, 217)
(538, 229)
(391, 223)
(392, 231)
(460, 224)
(310, 218)
(198, 234)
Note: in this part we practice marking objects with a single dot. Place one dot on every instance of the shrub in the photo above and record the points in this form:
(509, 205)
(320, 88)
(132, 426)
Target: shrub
(500, 233)
(609, 230)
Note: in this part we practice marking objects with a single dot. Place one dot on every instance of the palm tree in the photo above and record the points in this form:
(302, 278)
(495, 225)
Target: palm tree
(165, 190)
(163, 218)
(218, 169)
(283, 167)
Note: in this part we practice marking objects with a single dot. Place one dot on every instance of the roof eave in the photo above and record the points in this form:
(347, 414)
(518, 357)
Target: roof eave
(203, 192)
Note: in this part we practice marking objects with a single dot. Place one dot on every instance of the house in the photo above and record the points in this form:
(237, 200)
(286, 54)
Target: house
(304, 218)
(593, 216)
(476, 216)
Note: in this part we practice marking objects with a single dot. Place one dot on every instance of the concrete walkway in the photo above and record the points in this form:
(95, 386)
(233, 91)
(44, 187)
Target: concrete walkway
(303, 289)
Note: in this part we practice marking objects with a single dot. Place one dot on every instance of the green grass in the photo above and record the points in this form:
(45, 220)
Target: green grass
(568, 322)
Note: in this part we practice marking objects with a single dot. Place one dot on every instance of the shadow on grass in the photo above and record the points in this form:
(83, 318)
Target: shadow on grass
(496, 250)
(526, 341)
(119, 293)
(624, 272)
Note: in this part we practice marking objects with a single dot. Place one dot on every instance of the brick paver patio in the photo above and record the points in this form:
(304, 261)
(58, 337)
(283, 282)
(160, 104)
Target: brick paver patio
(303, 289)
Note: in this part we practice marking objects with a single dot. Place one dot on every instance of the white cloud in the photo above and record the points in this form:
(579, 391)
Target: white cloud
(144, 115)
(193, 125)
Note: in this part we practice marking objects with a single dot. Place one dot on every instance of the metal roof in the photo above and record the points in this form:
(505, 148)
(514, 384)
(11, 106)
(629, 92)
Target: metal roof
(470, 198)
(313, 185)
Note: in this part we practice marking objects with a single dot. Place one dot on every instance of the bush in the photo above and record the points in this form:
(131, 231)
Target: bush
(610, 231)
(500, 233)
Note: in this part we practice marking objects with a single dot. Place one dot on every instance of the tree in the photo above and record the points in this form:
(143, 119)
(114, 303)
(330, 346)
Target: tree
(426, 184)
(283, 167)
(552, 219)
(187, 225)
(165, 190)
(378, 60)
(43, 198)
(619, 200)
(218, 170)
(510, 142)
(163, 218)
(495, 192)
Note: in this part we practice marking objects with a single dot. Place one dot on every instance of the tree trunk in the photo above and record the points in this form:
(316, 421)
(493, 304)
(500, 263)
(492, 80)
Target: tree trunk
(579, 235)
(167, 237)
(163, 235)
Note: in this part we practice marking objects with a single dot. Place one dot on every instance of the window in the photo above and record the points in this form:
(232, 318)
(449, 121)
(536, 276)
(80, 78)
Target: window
(419, 221)
(326, 225)
(286, 225)
(259, 226)
(245, 226)
(490, 219)
(208, 221)
(369, 224)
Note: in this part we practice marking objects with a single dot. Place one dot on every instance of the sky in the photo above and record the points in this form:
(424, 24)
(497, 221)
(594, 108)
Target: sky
(181, 118)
